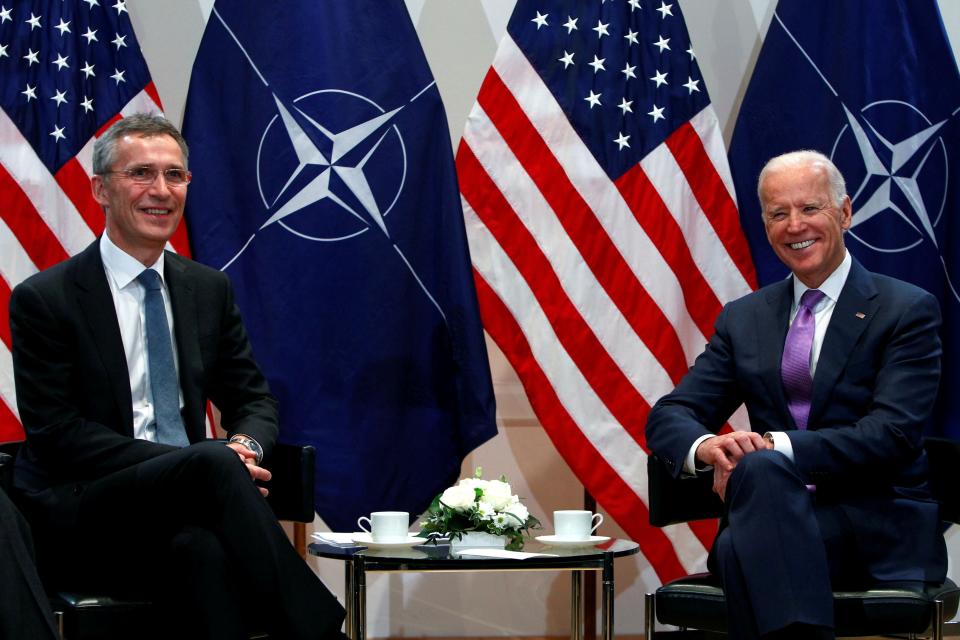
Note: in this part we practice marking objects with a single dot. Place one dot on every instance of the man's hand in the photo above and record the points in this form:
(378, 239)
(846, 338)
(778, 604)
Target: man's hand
(250, 459)
(725, 451)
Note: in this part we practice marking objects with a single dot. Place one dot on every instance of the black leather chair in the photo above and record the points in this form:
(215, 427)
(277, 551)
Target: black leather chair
(697, 601)
(89, 616)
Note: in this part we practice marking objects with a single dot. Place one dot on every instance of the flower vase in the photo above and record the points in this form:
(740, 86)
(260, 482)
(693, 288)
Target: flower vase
(475, 539)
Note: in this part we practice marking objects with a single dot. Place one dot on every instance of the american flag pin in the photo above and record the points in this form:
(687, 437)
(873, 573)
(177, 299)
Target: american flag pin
(860, 314)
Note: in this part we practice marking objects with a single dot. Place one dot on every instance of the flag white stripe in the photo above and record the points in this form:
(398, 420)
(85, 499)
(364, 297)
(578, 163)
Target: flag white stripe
(85, 156)
(15, 263)
(706, 248)
(140, 103)
(592, 183)
(56, 210)
(7, 394)
(707, 127)
(589, 297)
(612, 442)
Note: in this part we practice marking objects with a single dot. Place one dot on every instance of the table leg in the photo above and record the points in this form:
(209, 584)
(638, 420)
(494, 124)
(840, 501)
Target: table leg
(348, 597)
(607, 596)
(576, 605)
(359, 598)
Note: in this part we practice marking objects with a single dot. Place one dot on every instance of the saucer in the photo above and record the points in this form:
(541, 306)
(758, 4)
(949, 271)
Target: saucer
(561, 541)
(367, 540)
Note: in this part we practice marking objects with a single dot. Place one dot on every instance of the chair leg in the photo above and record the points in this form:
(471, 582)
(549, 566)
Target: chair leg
(649, 616)
(937, 622)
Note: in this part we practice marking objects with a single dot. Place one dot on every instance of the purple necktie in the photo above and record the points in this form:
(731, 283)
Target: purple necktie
(795, 366)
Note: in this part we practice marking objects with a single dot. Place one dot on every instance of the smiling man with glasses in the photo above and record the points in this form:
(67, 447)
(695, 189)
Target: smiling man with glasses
(116, 352)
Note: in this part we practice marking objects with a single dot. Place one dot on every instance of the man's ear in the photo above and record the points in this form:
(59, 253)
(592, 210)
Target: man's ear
(99, 188)
(846, 213)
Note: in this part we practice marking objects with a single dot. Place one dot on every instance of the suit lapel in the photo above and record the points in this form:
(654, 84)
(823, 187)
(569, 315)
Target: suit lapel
(772, 323)
(855, 308)
(185, 322)
(96, 304)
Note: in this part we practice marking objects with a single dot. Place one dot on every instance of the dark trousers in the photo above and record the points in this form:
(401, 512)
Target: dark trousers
(781, 552)
(190, 530)
(24, 608)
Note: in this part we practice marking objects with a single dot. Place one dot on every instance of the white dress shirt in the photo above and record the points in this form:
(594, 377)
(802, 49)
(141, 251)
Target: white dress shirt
(122, 270)
(822, 312)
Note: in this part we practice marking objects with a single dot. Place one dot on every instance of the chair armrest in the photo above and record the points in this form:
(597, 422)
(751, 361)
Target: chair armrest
(6, 472)
(673, 500)
(292, 487)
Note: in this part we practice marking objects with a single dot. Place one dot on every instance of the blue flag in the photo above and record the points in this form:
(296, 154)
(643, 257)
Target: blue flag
(873, 85)
(325, 187)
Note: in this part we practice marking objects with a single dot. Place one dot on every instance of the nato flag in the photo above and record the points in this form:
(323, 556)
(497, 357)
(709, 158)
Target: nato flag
(325, 187)
(873, 85)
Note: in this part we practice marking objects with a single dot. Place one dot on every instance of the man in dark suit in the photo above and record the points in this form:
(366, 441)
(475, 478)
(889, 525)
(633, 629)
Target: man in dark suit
(116, 352)
(24, 609)
(840, 382)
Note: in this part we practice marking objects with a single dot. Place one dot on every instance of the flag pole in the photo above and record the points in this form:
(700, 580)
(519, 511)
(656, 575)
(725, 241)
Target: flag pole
(590, 584)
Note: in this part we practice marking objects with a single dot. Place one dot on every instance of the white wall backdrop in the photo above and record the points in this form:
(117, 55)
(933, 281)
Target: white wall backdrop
(460, 38)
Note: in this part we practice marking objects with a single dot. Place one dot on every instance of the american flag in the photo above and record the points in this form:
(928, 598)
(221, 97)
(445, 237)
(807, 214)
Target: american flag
(604, 234)
(68, 70)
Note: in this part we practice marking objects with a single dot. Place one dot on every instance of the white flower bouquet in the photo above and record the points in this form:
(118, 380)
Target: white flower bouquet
(475, 504)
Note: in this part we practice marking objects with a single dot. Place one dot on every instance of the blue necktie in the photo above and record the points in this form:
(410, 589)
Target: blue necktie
(163, 373)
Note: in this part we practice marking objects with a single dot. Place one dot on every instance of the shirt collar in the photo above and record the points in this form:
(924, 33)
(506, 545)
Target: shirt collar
(120, 265)
(831, 287)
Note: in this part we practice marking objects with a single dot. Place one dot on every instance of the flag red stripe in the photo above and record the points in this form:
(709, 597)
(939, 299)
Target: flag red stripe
(151, 90)
(589, 466)
(10, 429)
(705, 530)
(179, 240)
(26, 224)
(662, 228)
(588, 353)
(5, 313)
(75, 184)
(106, 125)
(580, 223)
(713, 197)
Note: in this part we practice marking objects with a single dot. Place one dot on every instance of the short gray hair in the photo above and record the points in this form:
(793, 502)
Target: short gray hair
(147, 125)
(805, 158)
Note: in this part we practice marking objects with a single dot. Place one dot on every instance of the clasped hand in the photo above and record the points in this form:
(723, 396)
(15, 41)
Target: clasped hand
(723, 452)
(250, 459)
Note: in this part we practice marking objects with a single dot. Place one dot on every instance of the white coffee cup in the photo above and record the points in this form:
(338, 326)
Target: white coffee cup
(573, 524)
(386, 526)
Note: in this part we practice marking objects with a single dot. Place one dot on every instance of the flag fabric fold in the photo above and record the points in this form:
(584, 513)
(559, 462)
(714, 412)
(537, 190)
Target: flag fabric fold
(874, 86)
(324, 186)
(604, 235)
(68, 69)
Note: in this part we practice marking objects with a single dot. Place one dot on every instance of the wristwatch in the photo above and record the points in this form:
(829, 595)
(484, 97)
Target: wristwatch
(250, 444)
(769, 438)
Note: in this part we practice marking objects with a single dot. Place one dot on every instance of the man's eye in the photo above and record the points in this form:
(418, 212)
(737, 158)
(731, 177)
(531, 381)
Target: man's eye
(777, 216)
(140, 172)
(175, 175)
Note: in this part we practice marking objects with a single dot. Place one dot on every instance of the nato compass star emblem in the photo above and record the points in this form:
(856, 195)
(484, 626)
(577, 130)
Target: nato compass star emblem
(340, 178)
(897, 170)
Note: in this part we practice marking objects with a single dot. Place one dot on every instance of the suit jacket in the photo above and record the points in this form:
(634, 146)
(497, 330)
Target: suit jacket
(73, 387)
(873, 391)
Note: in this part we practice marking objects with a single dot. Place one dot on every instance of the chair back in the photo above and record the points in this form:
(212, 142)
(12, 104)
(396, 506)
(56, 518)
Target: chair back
(673, 500)
(944, 457)
(8, 454)
(292, 488)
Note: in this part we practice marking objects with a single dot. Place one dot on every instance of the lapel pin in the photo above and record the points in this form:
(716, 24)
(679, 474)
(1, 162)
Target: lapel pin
(860, 314)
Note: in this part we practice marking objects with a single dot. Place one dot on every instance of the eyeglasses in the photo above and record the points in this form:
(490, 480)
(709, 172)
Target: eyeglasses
(145, 176)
